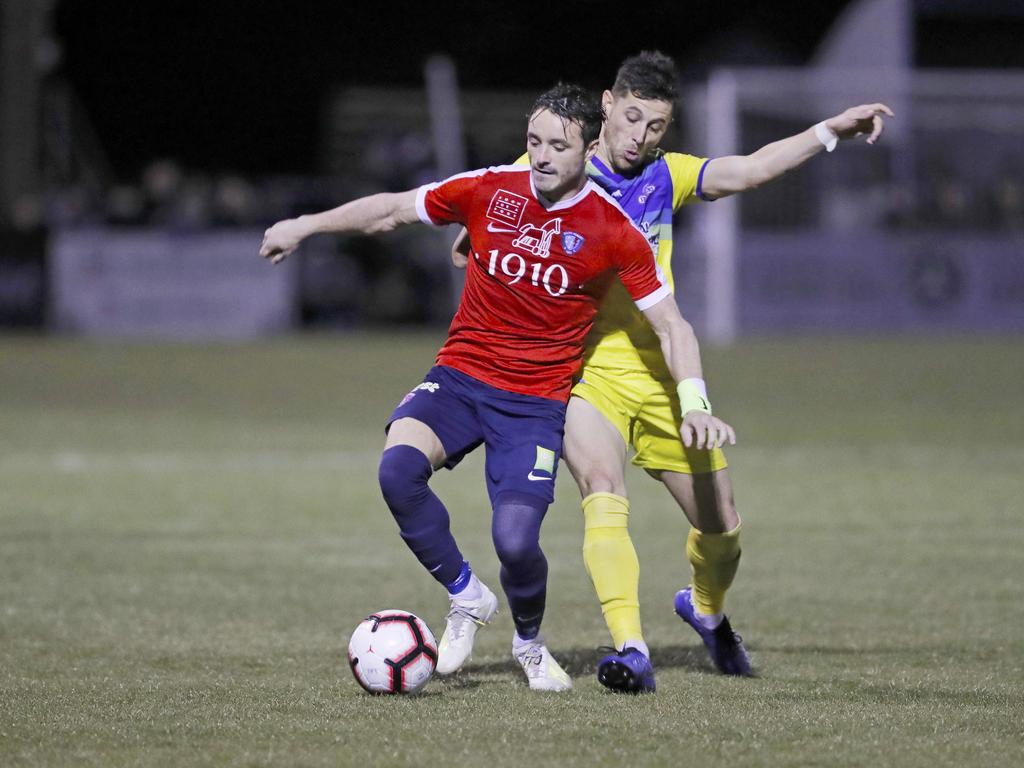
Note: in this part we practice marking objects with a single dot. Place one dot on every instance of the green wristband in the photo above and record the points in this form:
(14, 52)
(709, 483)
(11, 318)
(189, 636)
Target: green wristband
(693, 396)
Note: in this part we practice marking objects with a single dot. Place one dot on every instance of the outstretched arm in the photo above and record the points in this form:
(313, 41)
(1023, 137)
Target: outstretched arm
(737, 173)
(682, 355)
(365, 215)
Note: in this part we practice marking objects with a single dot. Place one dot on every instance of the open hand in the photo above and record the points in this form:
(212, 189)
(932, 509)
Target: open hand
(857, 121)
(703, 431)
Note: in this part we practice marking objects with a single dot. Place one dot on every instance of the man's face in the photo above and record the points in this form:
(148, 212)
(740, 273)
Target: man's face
(557, 155)
(633, 128)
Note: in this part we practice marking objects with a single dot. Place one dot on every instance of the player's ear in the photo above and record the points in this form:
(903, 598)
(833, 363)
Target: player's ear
(607, 98)
(592, 148)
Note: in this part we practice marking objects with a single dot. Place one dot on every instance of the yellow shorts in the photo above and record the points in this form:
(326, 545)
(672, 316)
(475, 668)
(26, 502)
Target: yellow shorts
(646, 413)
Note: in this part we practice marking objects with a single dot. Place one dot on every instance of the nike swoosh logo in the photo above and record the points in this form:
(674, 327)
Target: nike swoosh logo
(492, 228)
(532, 476)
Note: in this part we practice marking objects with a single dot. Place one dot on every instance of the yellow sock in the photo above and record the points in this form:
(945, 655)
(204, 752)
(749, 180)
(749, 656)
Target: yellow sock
(714, 558)
(612, 564)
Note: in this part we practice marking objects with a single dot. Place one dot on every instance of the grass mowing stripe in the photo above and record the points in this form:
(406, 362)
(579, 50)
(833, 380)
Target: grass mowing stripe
(75, 462)
(188, 535)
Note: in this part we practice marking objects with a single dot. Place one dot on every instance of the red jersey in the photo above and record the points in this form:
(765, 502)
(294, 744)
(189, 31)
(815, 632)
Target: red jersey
(535, 277)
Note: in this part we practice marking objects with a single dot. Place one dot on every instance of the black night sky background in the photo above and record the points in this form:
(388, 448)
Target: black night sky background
(240, 86)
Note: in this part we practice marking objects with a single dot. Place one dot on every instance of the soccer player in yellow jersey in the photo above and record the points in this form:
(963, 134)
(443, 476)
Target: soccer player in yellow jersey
(625, 396)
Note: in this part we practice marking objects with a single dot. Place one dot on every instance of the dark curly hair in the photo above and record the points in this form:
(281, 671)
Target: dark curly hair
(648, 75)
(575, 104)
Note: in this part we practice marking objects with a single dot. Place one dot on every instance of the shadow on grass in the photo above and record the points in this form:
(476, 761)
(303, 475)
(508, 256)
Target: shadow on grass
(943, 651)
(459, 681)
(583, 661)
(691, 657)
(827, 650)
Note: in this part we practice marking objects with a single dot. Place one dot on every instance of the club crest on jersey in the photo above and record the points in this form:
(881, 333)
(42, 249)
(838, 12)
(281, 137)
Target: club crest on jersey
(648, 190)
(571, 242)
(537, 240)
(506, 208)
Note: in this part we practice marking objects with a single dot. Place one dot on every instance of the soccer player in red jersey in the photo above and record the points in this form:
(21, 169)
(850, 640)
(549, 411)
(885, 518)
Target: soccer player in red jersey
(548, 243)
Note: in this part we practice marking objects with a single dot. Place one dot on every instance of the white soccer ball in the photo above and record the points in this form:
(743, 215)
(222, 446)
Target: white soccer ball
(392, 652)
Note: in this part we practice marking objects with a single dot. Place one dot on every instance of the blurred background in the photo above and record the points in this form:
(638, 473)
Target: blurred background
(144, 147)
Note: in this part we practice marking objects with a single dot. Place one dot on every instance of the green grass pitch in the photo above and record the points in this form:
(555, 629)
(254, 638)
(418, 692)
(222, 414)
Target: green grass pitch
(188, 534)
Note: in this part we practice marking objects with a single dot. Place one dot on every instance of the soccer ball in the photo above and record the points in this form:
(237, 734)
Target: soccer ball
(392, 652)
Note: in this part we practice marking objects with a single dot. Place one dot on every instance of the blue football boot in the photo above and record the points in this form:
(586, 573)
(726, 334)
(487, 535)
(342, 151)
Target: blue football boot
(626, 671)
(724, 645)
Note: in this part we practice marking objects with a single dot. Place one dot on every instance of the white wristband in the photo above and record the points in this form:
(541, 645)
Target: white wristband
(700, 385)
(693, 396)
(826, 136)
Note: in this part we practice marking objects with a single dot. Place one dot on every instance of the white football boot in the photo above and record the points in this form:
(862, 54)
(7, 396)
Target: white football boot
(540, 666)
(464, 619)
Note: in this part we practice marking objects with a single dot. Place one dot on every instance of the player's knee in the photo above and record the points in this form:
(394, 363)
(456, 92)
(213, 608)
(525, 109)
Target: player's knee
(403, 474)
(515, 549)
(516, 528)
(596, 480)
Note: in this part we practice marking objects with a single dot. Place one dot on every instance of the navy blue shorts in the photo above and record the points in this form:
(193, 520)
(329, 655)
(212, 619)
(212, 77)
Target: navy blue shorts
(522, 434)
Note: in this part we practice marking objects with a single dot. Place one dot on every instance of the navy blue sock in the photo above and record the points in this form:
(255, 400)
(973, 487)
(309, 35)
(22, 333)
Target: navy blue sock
(421, 517)
(515, 528)
(461, 581)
